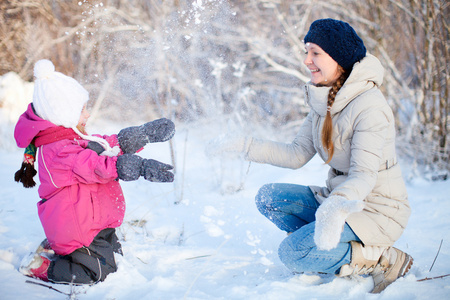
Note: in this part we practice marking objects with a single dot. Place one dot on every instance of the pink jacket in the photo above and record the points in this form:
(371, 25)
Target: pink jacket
(79, 189)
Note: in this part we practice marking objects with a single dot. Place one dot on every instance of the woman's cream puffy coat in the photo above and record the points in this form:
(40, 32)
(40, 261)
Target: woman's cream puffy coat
(364, 154)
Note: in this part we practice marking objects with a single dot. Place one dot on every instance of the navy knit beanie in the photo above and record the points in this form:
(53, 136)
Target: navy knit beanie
(339, 40)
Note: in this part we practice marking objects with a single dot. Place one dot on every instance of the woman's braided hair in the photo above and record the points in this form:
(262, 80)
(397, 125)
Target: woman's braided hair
(327, 130)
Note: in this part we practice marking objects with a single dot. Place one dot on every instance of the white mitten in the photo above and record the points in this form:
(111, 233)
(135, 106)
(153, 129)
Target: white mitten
(330, 220)
(228, 143)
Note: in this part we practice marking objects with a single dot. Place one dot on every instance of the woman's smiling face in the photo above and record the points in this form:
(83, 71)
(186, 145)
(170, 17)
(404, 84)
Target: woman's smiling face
(324, 69)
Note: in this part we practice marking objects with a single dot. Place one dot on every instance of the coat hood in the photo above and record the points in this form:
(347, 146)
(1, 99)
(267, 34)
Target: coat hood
(28, 127)
(365, 75)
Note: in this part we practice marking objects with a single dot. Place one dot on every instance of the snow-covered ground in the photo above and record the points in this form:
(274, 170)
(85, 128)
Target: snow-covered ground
(198, 238)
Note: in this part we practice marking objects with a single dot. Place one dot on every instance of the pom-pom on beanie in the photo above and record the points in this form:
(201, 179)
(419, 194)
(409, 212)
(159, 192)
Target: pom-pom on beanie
(57, 98)
(339, 40)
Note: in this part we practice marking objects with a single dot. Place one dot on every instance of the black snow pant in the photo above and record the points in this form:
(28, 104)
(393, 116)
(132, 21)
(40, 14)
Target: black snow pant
(87, 265)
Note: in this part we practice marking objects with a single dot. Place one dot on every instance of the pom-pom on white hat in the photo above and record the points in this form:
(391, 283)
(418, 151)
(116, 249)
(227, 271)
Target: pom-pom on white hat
(57, 98)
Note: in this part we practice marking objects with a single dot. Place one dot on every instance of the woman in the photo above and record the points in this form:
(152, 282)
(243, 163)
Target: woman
(349, 226)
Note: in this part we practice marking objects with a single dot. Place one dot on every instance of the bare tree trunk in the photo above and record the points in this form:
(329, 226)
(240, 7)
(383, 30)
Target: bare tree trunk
(144, 59)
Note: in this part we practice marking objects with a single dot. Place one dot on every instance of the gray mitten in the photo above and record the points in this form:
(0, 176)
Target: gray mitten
(134, 138)
(156, 171)
(130, 167)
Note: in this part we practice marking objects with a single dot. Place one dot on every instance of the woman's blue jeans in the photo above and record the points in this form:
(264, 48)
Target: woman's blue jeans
(292, 208)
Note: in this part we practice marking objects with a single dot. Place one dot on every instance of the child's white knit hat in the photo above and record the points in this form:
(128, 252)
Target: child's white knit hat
(60, 99)
(57, 98)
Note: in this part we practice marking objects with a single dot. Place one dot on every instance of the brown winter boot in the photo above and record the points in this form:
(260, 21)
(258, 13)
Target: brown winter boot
(394, 264)
(363, 260)
(385, 265)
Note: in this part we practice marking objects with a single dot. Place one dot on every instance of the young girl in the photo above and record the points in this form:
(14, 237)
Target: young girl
(81, 200)
(349, 226)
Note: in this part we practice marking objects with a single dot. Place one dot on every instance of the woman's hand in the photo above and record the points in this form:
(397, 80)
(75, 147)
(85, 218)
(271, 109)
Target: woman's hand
(330, 220)
(228, 143)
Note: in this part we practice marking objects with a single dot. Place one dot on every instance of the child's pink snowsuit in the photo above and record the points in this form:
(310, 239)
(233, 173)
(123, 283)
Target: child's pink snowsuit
(79, 189)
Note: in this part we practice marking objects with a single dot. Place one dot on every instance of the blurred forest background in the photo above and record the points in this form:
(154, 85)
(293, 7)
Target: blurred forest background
(241, 60)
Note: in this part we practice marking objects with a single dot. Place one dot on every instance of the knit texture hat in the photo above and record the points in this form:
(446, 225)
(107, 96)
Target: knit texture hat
(60, 99)
(339, 40)
(57, 98)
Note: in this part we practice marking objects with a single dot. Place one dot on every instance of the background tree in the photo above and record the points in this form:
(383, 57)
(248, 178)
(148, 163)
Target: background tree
(237, 60)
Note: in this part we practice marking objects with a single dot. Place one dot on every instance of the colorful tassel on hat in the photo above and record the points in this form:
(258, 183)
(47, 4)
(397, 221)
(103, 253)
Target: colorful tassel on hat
(27, 171)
